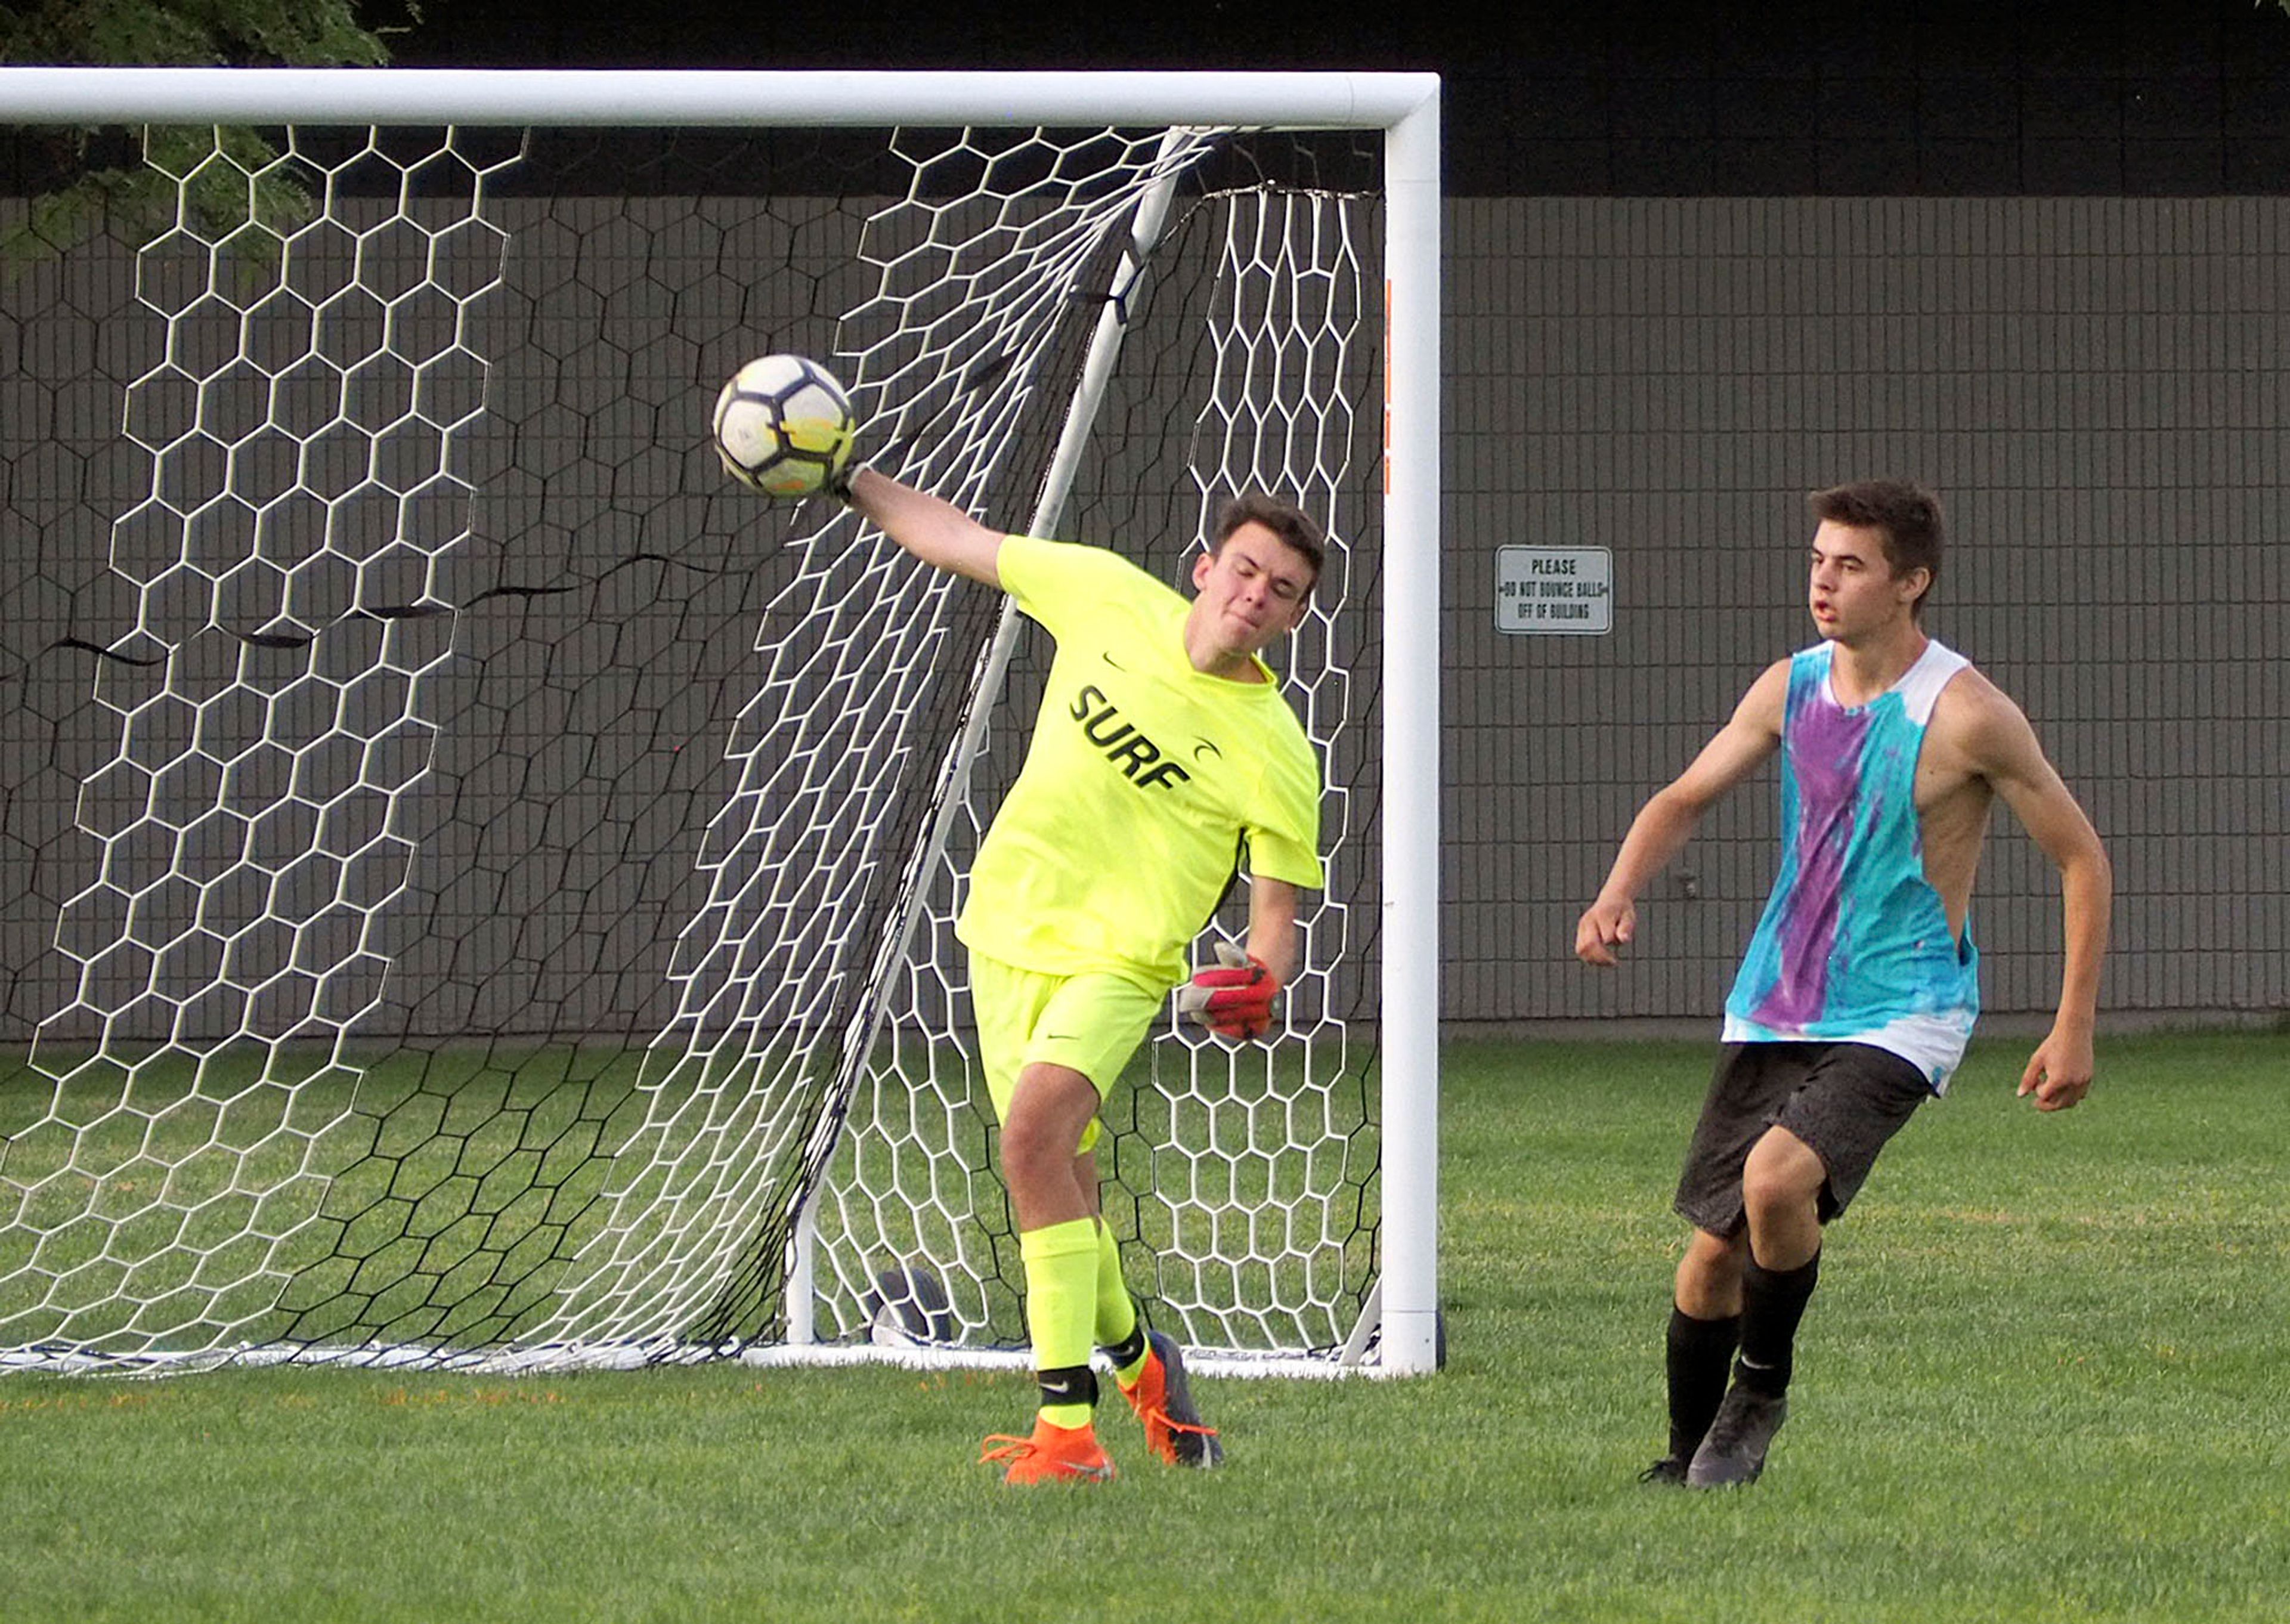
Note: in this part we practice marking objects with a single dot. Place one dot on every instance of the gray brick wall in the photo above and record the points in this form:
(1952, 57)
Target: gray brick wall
(2095, 386)
(2097, 389)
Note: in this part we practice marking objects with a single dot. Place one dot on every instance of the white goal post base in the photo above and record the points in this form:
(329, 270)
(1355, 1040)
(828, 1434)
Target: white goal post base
(626, 1356)
(1243, 1367)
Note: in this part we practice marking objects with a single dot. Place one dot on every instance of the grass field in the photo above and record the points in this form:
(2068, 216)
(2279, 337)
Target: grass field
(2042, 1380)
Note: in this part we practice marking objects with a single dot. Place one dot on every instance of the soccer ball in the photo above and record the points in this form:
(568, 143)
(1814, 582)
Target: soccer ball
(908, 1308)
(783, 426)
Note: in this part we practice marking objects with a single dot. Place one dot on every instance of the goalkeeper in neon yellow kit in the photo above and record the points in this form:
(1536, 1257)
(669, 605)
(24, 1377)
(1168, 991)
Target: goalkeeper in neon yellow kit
(1162, 757)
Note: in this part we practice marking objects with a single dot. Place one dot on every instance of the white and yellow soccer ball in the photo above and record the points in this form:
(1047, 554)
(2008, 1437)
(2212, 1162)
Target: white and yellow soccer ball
(783, 426)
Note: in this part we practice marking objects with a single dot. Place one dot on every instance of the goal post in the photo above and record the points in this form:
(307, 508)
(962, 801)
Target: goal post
(284, 612)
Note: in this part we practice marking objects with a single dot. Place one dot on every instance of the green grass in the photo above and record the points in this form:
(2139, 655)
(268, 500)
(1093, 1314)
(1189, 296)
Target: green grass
(448, 1198)
(2040, 1382)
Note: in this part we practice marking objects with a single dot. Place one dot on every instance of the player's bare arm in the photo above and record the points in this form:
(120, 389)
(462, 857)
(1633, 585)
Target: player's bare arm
(1982, 727)
(936, 531)
(1272, 907)
(1667, 822)
(1234, 998)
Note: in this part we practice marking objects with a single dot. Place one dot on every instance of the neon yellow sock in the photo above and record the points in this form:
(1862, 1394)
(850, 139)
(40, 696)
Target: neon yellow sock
(1061, 1262)
(1116, 1310)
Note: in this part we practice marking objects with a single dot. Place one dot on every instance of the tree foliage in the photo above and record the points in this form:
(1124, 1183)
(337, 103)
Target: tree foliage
(144, 182)
(183, 32)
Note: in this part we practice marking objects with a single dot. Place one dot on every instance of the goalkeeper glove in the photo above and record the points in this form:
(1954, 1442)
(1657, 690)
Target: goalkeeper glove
(1235, 1000)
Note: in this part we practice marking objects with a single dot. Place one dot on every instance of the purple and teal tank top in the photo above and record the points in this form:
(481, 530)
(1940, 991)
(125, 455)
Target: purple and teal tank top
(1854, 945)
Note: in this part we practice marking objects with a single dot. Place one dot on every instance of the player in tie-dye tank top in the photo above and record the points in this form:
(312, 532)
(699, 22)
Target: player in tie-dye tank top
(1860, 985)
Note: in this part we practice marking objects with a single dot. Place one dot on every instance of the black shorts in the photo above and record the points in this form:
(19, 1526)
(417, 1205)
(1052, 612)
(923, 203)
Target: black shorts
(1843, 1099)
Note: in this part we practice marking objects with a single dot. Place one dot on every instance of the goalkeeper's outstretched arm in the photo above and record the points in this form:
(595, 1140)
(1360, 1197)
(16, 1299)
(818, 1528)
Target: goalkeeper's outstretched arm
(937, 533)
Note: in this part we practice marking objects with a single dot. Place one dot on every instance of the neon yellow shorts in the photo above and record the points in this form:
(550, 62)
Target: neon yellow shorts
(1090, 1024)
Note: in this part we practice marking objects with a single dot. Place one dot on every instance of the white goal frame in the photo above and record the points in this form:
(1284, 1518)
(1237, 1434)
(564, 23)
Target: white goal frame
(1403, 1311)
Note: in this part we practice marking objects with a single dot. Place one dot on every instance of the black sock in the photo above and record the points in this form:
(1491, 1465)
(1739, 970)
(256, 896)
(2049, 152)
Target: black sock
(1072, 1384)
(1771, 1304)
(1700, 1357)
(1127, 1351)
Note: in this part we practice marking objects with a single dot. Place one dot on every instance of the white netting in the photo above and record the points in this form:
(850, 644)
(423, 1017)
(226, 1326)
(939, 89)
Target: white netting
(453, 724)
(1247, 1175)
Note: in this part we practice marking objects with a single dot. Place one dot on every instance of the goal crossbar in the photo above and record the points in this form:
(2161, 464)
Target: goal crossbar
(723, 98)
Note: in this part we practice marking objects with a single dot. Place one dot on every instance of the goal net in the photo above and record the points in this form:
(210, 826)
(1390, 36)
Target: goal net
(481, 883)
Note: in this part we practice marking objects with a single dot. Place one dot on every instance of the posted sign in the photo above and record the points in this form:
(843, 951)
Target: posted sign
(1555, 590)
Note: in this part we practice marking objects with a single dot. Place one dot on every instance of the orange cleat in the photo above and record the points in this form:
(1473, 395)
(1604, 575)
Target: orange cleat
(1054, 1454)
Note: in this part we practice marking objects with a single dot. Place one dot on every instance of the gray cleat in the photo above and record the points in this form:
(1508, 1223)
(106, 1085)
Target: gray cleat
(1163, 1399)
(1735, 1451)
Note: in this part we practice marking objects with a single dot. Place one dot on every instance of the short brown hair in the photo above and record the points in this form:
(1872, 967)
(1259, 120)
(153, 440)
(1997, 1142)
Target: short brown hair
(1904, 513)
(1286, 520)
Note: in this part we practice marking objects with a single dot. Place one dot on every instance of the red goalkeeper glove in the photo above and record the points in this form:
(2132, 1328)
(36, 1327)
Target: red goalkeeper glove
(1234, 1000)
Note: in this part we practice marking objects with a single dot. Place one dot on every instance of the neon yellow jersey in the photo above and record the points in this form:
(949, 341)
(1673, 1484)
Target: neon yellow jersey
(1147, 785)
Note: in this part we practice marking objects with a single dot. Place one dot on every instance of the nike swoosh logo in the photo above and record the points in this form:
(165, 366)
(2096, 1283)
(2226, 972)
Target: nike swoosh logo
(1059, 1390)
(1110, 660)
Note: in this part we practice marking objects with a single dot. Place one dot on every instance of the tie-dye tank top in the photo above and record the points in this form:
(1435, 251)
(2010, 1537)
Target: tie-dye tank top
(1854, 945)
